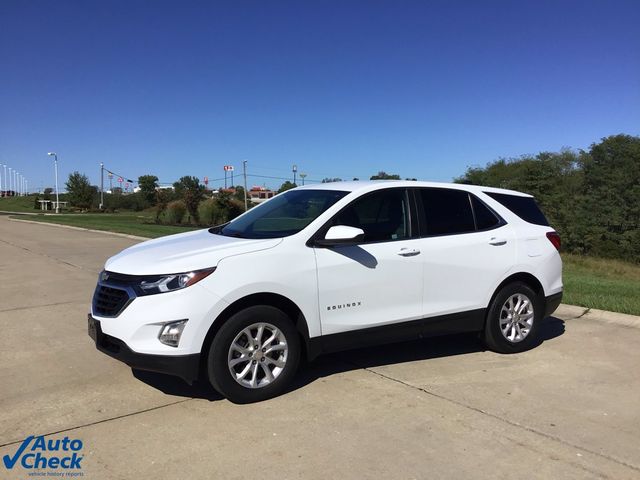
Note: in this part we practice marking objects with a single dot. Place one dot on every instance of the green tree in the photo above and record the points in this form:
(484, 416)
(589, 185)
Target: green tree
(80, 191)
(148, 185)
(612, 188)
(591, 197)
(286, 186)
(384, 176)
(191, 191)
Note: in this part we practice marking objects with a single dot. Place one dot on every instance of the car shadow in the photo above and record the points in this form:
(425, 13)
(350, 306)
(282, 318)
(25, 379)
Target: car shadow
(334, 363)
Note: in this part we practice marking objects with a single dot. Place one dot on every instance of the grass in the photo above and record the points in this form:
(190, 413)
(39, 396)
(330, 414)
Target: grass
(18, 204)
(600, 283)
(139, 224)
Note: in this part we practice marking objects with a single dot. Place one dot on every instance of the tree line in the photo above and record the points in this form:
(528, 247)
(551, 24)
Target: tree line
(591, 197)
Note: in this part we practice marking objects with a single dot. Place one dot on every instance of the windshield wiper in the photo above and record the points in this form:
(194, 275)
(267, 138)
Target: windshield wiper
(231, 234)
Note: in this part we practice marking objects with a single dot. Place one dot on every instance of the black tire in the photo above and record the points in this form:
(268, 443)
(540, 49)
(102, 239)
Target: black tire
(493, 336)
(218, 368)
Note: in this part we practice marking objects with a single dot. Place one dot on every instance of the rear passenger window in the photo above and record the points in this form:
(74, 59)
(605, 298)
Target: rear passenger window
(382, 215)
(485, 218)
(524, 207)
(447, 211)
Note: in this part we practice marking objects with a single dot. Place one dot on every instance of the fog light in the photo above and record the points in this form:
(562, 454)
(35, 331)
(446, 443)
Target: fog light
(170, 333)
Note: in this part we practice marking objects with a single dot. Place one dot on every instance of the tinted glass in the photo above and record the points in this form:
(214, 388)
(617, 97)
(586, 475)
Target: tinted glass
(283, 215)
(524, 207)
(485, 218)
(381, 215)
(447, 211)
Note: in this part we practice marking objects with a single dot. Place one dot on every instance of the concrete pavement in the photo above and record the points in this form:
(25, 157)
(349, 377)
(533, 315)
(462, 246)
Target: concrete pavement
(441, 408)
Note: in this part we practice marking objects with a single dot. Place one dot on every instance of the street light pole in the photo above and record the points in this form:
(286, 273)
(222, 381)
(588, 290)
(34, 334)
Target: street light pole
(55, 168)
(6, 190)
(244, 173)
(302, 175)
(295, 171)
(101, 185)
(10, 181)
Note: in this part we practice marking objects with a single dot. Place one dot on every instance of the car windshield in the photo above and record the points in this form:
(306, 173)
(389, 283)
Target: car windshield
(283, 215)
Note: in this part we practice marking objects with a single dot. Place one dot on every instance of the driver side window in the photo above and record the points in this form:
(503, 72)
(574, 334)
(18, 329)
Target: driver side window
(382, 215)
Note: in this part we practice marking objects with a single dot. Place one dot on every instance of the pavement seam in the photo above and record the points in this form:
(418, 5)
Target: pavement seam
(587, 310)
(98, 422)
(39, 306)
(504, 420)
(45, 255)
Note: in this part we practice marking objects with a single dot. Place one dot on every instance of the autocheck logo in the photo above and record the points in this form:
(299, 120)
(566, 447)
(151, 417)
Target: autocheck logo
(36, 453)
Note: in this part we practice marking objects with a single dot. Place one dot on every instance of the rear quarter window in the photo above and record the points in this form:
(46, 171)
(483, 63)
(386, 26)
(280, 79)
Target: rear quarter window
(524, 207)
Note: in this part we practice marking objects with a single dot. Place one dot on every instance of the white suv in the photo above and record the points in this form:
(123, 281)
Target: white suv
(329, 267)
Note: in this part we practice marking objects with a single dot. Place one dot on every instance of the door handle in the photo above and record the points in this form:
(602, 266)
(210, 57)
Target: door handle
(409, 252)
(497, 241)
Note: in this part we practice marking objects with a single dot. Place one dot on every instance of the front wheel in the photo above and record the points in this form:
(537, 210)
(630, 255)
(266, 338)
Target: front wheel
(513, 319)
(255, 355)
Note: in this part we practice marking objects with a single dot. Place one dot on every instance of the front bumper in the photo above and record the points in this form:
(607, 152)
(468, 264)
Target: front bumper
(183, 366)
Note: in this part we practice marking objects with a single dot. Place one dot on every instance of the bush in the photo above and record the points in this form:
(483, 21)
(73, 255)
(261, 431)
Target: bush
(175, 212)
(210, 213)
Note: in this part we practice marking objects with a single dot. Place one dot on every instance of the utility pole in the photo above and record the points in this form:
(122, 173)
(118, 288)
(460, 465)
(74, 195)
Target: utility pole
(101, 185)
(302, 175)
(26, 187)
(244, 171)
(295, 171)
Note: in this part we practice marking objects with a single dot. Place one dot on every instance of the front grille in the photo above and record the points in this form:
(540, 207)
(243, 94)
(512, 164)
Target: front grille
(109, 301)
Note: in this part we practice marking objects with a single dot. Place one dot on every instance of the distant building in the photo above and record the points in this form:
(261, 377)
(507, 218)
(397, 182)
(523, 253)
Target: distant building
(260, 194)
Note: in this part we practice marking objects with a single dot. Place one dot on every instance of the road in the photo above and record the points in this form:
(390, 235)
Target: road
(440, 408)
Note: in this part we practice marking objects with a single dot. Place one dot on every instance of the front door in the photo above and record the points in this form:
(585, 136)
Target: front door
(379, 281)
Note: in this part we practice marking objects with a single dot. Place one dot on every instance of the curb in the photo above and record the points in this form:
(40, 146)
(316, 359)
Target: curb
(70, 227)
(573, 312)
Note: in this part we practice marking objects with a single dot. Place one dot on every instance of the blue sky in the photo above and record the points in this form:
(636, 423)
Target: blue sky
(342, 89)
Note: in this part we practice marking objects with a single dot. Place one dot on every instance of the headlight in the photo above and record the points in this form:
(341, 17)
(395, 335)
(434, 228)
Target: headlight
(168, 283)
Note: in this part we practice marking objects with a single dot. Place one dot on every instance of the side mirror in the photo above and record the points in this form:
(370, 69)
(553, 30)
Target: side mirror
(341, 235)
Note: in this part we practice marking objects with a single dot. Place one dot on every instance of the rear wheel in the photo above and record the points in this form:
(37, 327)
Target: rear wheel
(255, 355)
(513, 319)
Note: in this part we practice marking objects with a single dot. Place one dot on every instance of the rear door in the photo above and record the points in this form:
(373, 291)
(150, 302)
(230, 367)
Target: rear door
(467, 249)
(379, 281)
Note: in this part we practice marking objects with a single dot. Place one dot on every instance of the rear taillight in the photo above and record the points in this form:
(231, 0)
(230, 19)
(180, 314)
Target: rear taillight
(555, 239)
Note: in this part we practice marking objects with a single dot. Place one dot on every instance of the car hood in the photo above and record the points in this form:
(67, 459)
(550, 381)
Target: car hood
(183, 253)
